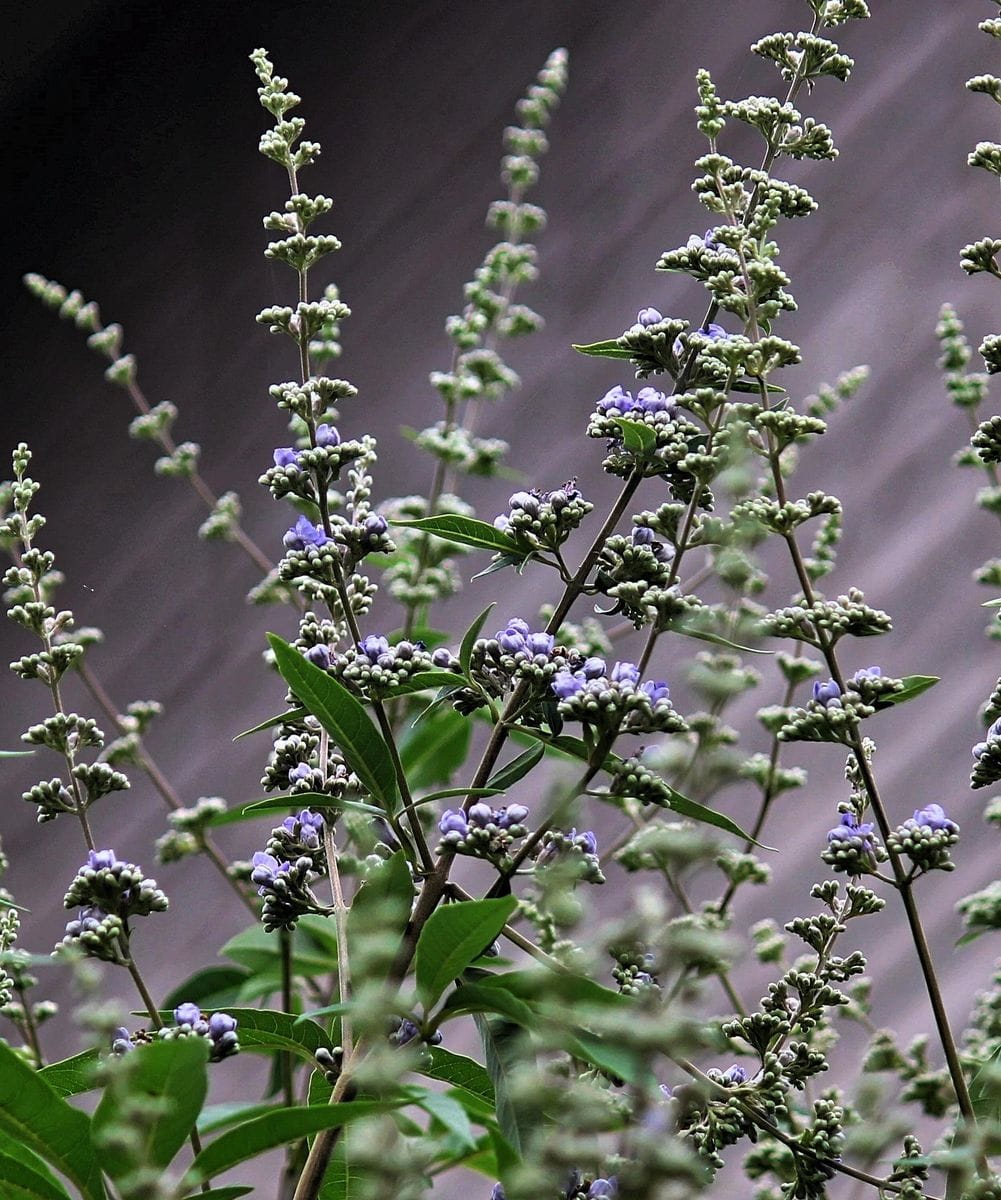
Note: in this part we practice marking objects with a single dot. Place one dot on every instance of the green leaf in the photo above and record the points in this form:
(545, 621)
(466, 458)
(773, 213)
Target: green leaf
(16, 753)
(257, 950)
(506, 1049)
(265, 1030)
(985, 1089)
(214, 1117)
(344, 718)
(624, 1062)
(497, 1001)
(36, 1116)
(72, 1076)
(223, 1193)
(517, 768)
(211, 988)
(21, 1179)
(4, 903)
(717, 639)
(173, 1072)
(19, 1160)
(470, 636)
(707, 816)
(517, 559)
(274, 1129)
(606, 349)
(380, 909)
(433, 751)
(971, 935)
(752, 386)
(637, 437)
(422, 681)
(914, 685)
(453, 937)
(458, 1070)
(467, 531)
(301, 800)
(986, 604)
(289, 715)
(483, 793)
(447, 1111)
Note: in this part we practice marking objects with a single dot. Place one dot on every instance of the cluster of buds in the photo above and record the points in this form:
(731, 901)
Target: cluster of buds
(483, 832)
(544, 520)
(374, 668)
(987, 757)
(733, 1077)
(578, 850)
(296, 471)
(403, 1032)
(833, 713)
(108, 891)
(926, 838)
(633, 779)
(668, 438)
(615, 700)
(186, 835)
(852, 846)
(633, 971)
(219, 1030)
(312, 556)
(293, 860)
(513, 655)
(636, 571)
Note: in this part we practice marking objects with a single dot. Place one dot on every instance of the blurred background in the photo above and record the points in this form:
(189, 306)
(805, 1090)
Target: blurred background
(130, 134)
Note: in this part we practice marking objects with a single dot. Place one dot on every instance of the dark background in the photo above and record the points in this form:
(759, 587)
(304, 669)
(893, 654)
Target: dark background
(130, 136)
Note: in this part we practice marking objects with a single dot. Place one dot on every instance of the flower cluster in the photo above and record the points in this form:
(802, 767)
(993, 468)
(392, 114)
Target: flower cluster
(108, 892)
(578, 1187)
(293, 860)
(403, 1031)
(611, 700)
(987, 757)
(515, 654)
(833, 713)
(374, 668)
(186, 835)
(636, 571)
(852, 846)
(544, 520)
(926, 838)
(219, 1030)
(578, 851)
(483, 832)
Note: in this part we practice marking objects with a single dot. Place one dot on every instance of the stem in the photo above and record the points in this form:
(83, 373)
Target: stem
(29, 1027)
(285, 947)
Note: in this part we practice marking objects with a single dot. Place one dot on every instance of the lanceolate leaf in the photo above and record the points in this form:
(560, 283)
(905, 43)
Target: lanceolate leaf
(707, 816)
(381, 910)
(433, 750)
(344, 718)
(290, 715)
(453, 937)
(274, 1129)
(173, 1072)
(300, 800)
(459, 1071)
(717, 639)
(21, 1180)
(914, 685)
(506, 1048)
(73, 1075)
(470, 636)
(224, 1193)
(423, 681)
(211, 987)
(606, 349)
(15, 753)
(35, 1115)
(467, 531)
(517, 768)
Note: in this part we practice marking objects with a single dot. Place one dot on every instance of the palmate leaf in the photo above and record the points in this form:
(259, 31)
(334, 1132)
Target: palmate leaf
(453, 937)
(171, 1071)
(36, 1116)
(344, 718)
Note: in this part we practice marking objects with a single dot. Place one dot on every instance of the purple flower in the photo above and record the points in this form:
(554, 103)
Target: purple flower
(866, 673)
(187, 1014)
(121, 1041)
(847, 830)
(657, 690)
(285, 456)
(374, 647)
(650, 400)
(307, 827)
(300, 773)
(593, 668)
(511, 640)
(980, 749)
(603, 1187)
(266, 868)
(498, 1193)
(712, 332)
(933, 817)
(567, 684)
(734, 1076)
(648, 316)
(374, 529)
(442, 657)
(453, 822)
(481, 814)
(327, 435)
(643, 535)
(617, 400)
(519, 626)
(302, 534)
(514, 814)
(524, 500)
(585, 841)
(825, 693)
(540, 643)
(319, 656)
(625, 672)
(101, 859)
